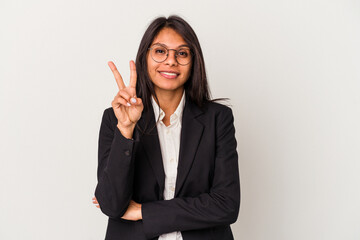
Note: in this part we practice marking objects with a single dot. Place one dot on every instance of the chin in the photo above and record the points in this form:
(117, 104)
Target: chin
(168, 87)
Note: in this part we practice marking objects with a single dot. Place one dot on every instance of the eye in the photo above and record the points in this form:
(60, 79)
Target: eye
(159, 50)
(183, 53)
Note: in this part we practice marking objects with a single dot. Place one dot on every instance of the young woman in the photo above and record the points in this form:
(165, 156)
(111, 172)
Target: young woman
(168, 166)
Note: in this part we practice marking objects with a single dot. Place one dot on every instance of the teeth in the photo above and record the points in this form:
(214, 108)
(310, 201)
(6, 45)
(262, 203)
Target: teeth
(170, 74)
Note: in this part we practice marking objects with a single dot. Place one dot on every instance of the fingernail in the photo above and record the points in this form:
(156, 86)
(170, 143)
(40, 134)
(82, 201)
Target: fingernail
(133, 100)
(128, 104)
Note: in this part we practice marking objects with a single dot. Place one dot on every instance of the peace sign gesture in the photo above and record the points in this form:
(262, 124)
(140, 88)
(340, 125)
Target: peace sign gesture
(127, 107)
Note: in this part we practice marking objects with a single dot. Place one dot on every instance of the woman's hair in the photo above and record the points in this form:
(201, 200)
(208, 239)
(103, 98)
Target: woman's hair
(196, 87)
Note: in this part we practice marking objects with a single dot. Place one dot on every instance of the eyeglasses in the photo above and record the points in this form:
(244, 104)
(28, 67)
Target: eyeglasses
(159, 53)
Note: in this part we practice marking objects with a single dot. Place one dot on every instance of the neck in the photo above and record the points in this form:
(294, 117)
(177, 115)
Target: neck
(169, 101)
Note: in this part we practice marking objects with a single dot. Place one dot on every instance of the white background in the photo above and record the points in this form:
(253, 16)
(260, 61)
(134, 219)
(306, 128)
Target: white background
(292, 72)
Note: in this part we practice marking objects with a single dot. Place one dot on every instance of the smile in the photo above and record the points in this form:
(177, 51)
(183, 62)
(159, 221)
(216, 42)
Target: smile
(169, 74)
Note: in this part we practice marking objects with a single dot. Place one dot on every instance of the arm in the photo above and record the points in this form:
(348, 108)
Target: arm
(218, 207)
(116, 166)
(115, 169)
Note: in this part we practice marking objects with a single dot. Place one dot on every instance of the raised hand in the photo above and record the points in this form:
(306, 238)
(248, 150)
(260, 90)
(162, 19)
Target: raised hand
(127, 107)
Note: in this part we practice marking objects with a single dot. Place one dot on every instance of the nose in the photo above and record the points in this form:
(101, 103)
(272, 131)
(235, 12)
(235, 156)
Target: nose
(171, 58)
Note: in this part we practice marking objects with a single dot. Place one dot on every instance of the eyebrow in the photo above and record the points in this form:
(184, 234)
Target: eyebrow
(162, 44)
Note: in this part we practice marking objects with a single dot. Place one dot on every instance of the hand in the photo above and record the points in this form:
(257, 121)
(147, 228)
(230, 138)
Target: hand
(127, 107)
(95, 202)
(133, 212)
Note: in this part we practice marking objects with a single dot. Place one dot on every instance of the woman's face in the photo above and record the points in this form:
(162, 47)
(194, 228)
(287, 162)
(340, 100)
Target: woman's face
(169, 75)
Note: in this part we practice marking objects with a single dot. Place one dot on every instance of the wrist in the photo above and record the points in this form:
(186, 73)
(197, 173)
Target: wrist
(127, 132)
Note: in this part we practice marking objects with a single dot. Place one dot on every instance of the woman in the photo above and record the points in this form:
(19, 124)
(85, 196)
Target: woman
(168, 166)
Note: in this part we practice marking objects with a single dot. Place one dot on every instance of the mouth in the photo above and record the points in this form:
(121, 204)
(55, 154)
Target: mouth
(169, 74)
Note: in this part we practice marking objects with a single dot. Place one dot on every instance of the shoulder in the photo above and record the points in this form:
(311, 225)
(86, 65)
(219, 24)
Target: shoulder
(217, 109)
(109, 112)
(212, 114)
(218, 119)
(109, 117)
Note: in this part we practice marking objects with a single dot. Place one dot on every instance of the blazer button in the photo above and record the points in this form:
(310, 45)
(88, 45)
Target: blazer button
(127, 152)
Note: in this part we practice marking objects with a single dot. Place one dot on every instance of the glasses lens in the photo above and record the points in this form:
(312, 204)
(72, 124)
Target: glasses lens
(183, 56)
(158, 53)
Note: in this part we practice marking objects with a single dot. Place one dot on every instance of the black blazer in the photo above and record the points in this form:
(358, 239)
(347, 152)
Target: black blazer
(207, 195)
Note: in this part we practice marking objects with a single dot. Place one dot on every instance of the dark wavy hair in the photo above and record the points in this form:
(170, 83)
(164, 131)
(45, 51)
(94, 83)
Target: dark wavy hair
(196, 87)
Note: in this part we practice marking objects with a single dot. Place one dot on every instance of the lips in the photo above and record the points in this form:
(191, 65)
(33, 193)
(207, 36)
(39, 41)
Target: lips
(169, 74)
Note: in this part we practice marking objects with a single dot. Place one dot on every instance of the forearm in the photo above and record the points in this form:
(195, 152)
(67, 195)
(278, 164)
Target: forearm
(181, 214)
(115, 176)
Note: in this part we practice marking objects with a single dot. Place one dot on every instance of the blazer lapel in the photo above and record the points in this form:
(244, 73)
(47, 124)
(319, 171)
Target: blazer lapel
(191, 132)
(151, 145)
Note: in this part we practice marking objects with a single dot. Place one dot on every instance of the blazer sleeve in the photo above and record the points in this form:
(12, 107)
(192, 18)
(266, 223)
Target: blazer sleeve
(115, 171)
(218, 207)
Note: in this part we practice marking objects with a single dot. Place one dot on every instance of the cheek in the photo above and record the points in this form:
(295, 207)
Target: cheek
(151, 69)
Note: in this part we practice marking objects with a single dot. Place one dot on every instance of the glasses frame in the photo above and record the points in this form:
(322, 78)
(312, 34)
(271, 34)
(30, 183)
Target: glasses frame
(167, 55)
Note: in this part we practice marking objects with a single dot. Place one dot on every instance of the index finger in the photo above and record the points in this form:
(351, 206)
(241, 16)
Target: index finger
(133, 75)
(117, 75)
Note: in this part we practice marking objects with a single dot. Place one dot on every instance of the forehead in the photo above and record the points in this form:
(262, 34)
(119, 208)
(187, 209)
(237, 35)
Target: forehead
(169, 37)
